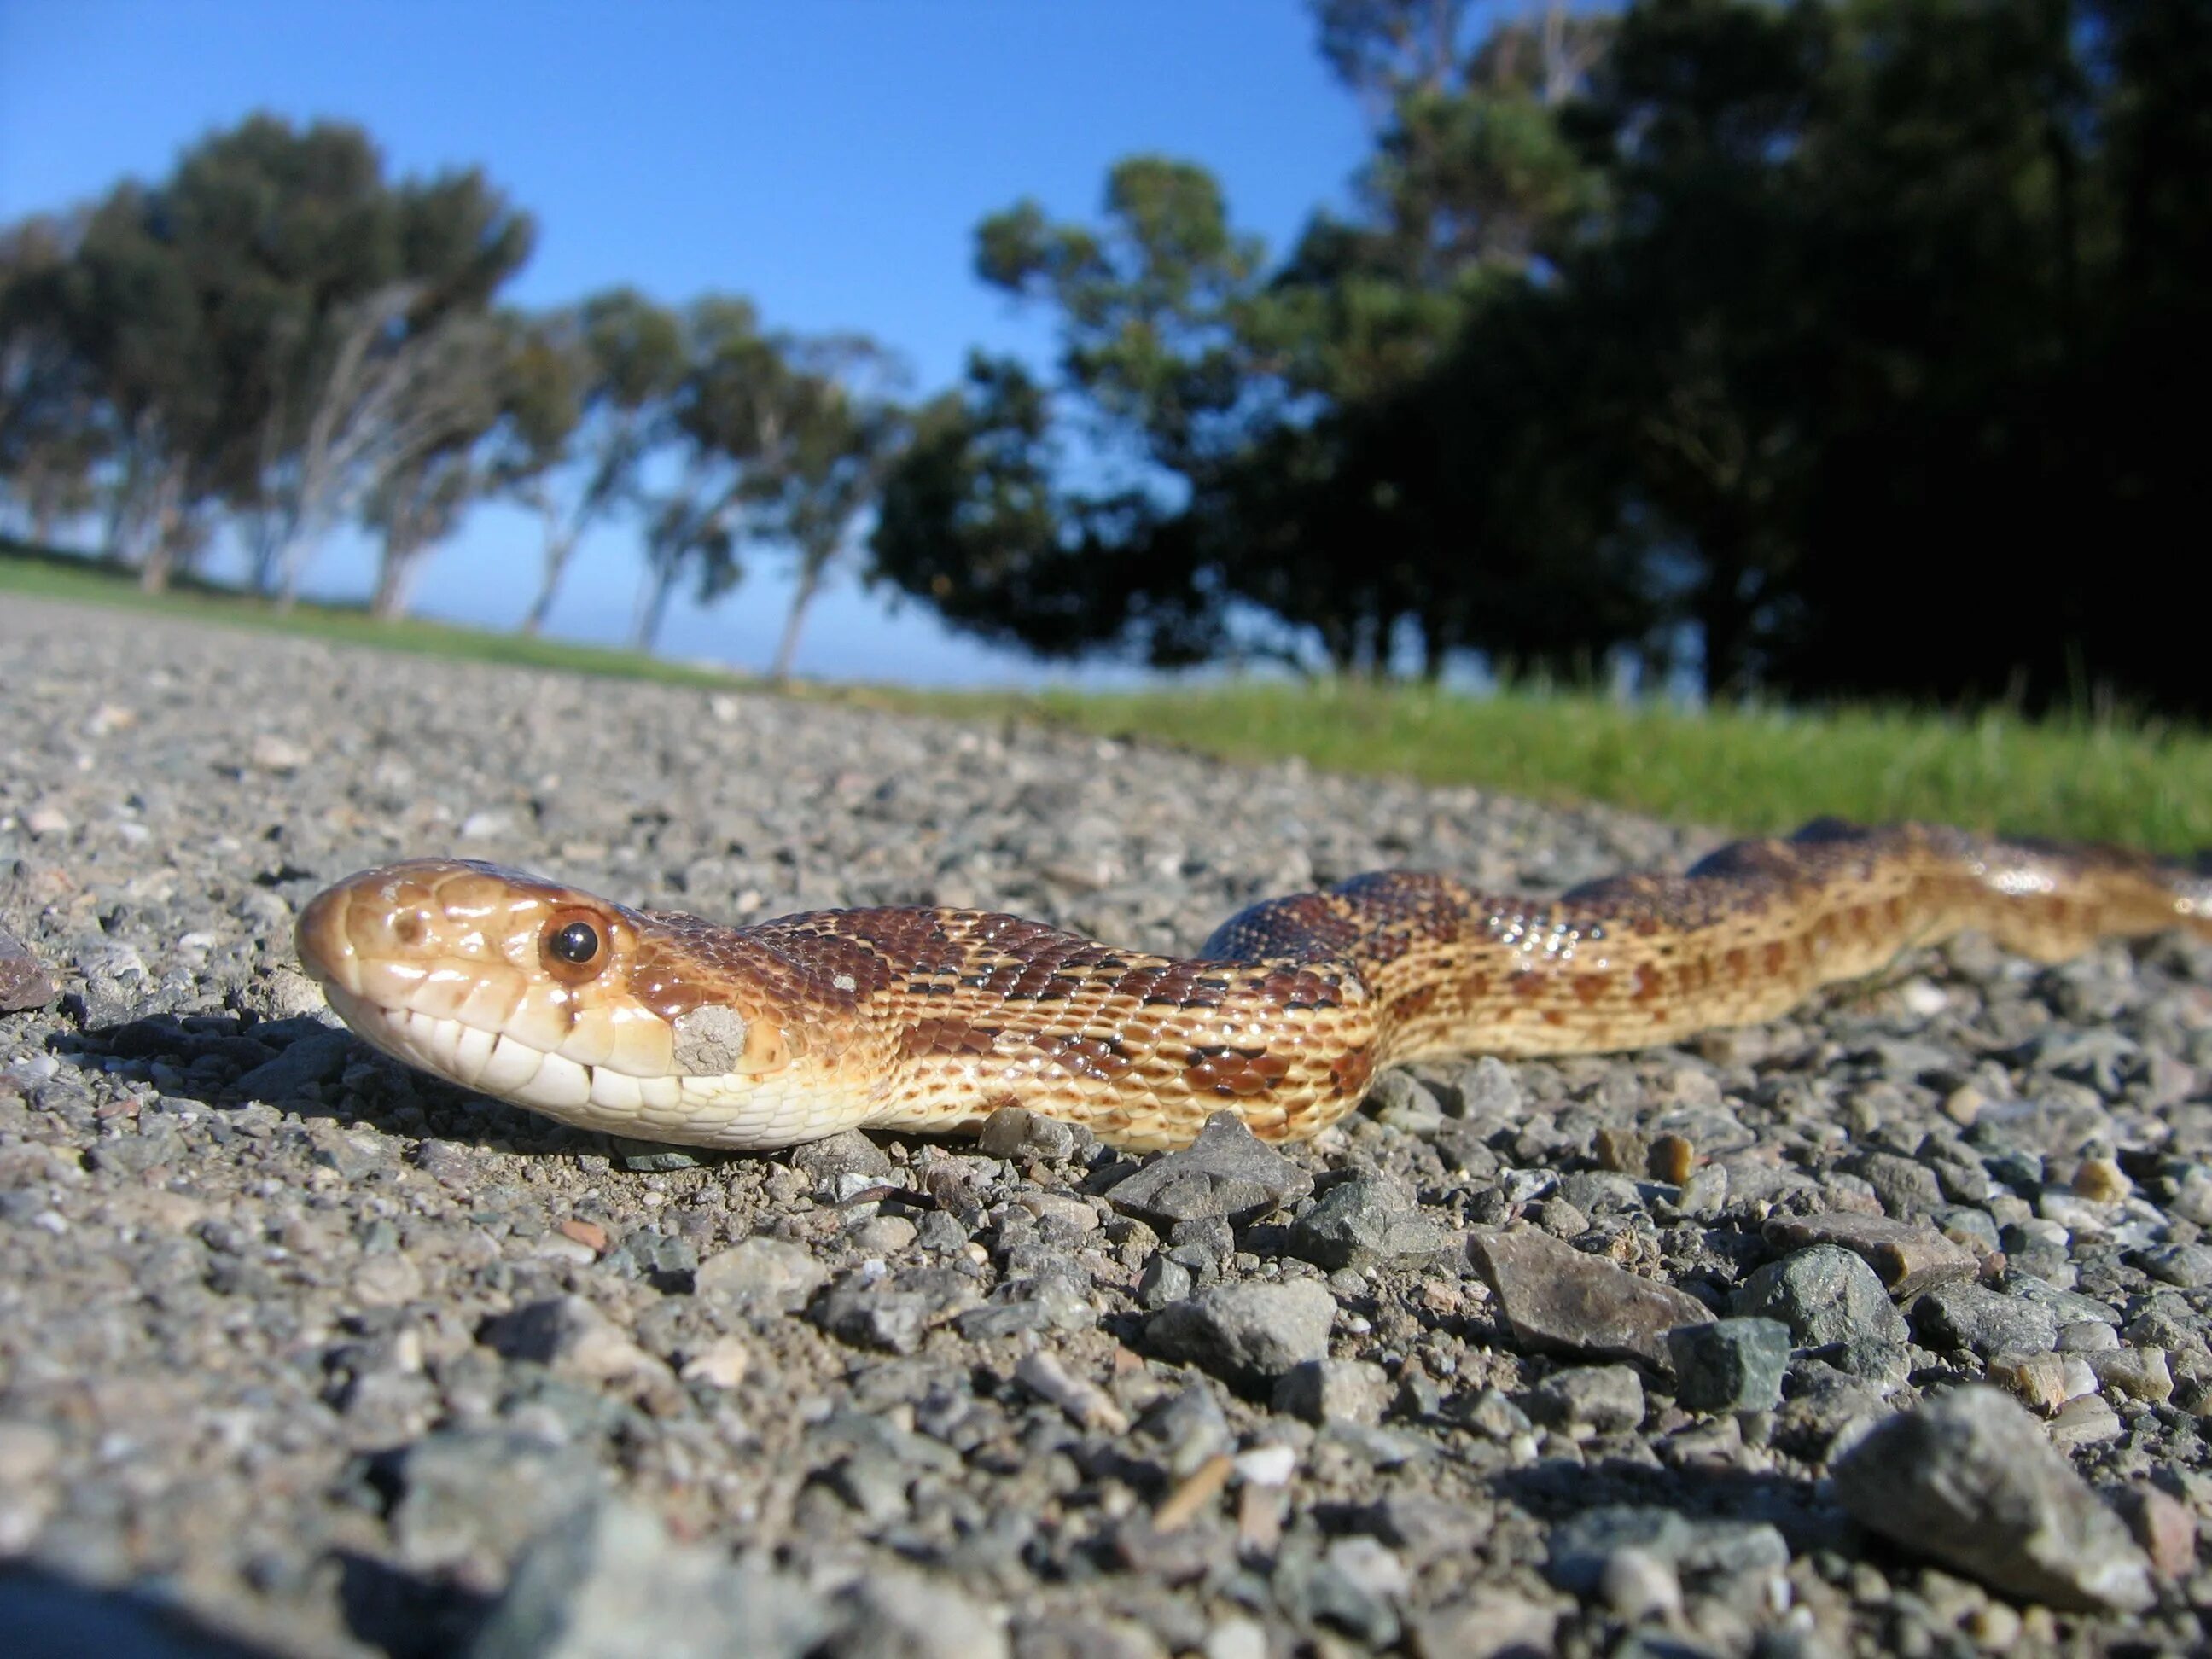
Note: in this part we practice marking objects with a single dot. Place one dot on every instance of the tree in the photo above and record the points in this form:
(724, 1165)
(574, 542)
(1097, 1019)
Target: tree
(139, 321)
(52, 437)
(727, 415)
(973, 522)
(591, 388)
(422, 487)
(845, 433)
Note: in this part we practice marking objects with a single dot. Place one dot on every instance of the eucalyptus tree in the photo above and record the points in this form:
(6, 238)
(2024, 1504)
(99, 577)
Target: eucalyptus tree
(845, 432)
(139, 320)
(53, 434)
(423, 489)
(726, 416)
(587, 404)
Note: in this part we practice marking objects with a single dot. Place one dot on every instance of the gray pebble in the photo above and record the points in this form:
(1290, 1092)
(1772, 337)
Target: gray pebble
(1246, 1333)
(1971, 1481)
(1824, 1294)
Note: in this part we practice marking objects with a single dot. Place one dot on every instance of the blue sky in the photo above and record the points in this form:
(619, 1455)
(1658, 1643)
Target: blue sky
(829, 158)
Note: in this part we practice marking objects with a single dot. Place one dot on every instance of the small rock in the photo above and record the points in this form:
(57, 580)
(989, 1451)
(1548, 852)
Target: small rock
(892, 1315)
(23, 983)
(1367, 1221)
(2188, 1266)
(1404, 1103)
(1249, 1332)
(472, 1495)
(1489, 1624)
(1332, 1390)
(1638, 1585)
(1596, 1398)
(1907, 1187)
(761, 1274)
(2138, 1373)
(2162, 1526)
(315, 1059)
(1018, 1133)
(1582, 1545)
(2101, 1180)
(2086, 1421)
(606, 1580)
(900, 1613)
(387, 1281)
(1970, 1481)
(1824, 1295)
(720, 1365)
(1910, 1258)
(2042, 1381)
(1227, 1173)
(1555, 1298)
(1986, 1320)
(271, 753)
(589, 1234)
(1730, 1365)
(847, 1153)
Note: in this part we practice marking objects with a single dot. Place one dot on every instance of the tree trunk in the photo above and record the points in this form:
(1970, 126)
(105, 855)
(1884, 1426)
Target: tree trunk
(810, 584)
(161, 545)
(1724, 618)
(560, 545)
(395, 582)
(652, 606)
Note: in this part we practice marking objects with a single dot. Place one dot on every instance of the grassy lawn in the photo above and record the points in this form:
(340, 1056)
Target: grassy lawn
(2136, 781)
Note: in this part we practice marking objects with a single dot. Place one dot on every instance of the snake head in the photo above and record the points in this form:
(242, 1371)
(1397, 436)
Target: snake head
(637, 1022)
(484, 974)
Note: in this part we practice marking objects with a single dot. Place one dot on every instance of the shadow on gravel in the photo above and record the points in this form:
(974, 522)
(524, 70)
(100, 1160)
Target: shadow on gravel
(45, 1616)
(285, 1063)
(1554, 1491)
(404, 1616)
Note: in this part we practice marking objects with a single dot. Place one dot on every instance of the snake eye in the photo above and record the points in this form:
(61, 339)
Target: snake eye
(577, 943)
(576, 946)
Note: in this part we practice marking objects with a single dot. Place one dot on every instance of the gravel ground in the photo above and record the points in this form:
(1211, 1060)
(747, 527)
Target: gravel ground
(1877, 1330)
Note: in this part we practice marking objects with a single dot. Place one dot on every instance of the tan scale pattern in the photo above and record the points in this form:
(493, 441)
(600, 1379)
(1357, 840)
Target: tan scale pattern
(927, 1020)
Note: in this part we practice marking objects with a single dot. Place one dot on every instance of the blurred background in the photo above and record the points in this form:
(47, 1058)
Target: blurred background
(1847, 349)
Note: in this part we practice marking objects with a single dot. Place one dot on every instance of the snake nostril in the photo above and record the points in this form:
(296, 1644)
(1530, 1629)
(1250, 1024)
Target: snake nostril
(408, 929)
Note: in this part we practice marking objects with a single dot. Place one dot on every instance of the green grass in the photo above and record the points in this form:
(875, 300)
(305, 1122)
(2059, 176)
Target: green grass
(2136, 781)
(2114, 778)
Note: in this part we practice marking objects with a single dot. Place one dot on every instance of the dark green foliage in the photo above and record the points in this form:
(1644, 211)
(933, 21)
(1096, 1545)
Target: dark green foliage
(1824, 348)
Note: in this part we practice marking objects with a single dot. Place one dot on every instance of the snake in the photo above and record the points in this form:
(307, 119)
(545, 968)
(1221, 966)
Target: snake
(659, 1025)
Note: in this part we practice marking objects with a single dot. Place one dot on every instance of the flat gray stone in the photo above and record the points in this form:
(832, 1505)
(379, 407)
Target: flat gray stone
(1557, 1298)
(1970, 1481)
(1599, 1399)
(1825, 1294)
(1247, 1332)
(761, 1274)
(1988, 1322)
(1368, 1221)
(1228, 1173)
(1333, 1391)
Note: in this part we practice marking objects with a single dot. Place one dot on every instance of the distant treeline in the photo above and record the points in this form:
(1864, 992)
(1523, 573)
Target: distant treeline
(1841, 348)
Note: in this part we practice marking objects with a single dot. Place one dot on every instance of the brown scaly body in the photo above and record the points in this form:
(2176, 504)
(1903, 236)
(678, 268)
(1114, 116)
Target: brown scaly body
(666, 1027)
